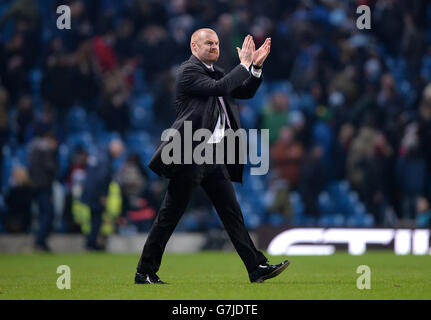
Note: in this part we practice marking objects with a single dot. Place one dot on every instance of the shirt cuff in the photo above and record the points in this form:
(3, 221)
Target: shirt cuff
(245, 66)
(256, 73)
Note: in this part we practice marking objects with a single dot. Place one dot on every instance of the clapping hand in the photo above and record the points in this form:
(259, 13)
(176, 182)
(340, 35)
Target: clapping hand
(260, 55)
(246, 53)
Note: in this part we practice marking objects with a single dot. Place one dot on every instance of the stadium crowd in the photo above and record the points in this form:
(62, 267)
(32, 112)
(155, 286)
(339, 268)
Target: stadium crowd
(349, 110)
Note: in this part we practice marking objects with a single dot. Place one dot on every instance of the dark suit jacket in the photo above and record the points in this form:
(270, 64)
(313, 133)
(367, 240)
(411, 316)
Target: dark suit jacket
(197, 92)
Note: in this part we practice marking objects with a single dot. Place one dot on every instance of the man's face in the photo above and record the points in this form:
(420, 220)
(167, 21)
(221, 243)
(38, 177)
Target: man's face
(206, 47)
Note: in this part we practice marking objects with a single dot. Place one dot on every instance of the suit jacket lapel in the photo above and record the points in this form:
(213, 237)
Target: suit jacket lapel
(218, 74)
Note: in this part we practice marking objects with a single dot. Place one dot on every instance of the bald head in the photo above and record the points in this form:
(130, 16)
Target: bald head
(205, 45)
(200, 34)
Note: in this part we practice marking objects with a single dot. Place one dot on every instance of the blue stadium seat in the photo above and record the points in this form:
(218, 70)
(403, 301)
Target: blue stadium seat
(353, 221)
(98, 126)
(82, 139)
(310, 221)
(323, 136)
(276, 219)
(35, 77)
(140, 117)
(138, 139)
(339, 220)
(325, 204)
(360, 210)
(139, 81)
(297, 204)
(248, 116)
(77, 120)
(369, 221)
(257, 103)
(325, 221)
(144, 100)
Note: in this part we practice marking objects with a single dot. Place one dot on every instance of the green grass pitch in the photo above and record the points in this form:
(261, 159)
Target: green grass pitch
(214, 276)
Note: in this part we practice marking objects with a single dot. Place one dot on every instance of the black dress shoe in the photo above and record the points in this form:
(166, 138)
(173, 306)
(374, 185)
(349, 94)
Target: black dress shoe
(146, 278)
(267, 271)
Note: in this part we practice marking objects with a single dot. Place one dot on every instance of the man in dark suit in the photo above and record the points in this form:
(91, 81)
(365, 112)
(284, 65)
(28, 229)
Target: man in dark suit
(205, 96)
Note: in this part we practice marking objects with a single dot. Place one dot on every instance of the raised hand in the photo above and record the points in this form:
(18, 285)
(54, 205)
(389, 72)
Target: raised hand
(247, 51)
(262, 53)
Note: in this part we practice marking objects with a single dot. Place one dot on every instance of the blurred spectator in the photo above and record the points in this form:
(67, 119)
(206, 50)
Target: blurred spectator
(424, 131)
(75, 179)
(146, 13)
(98, 177)
(18, 201)
(155, 47)
(4, 126)
(365, 109)
(24, 48)
(124, 45)
(46, 120)
(362, 148)
(164, 103)
(342, 146)
(301, 129)
(275, 115)
(426, 65)
(115, 109)
(57, 78)
(85, 82)
(83, 28)
(389, 99)
(14, 66)
(43, 169)
(280, 200)
(412, 46)
(323, 136)
(229, 39)
(312, 181)
(26, 10)
(137, 204)
(376, 167)
(24, 120)
(423, 209)
(132, 177)
(104, 51)
(305, 64)
(288, 156)
(411, 172)
(387, 15)
(155, 193)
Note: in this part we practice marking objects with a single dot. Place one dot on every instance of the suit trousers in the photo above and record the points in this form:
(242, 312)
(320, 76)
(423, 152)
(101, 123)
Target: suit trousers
(219, 189)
